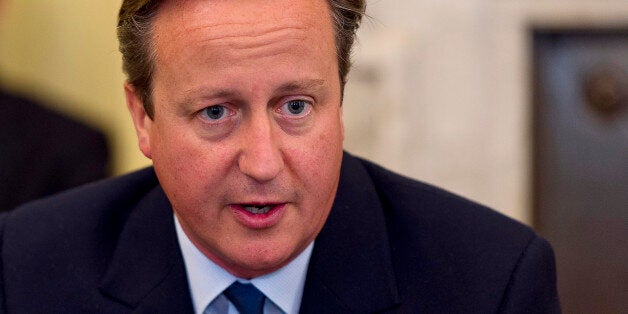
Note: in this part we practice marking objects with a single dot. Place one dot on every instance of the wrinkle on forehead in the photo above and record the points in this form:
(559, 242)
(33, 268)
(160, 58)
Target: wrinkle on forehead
(255, 36)
(236, 44)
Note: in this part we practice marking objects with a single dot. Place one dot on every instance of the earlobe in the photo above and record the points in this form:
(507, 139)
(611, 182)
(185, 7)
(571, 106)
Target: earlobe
(141, 120)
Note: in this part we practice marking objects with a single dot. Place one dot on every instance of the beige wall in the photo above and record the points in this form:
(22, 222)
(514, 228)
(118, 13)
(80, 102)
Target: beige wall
(440, 91)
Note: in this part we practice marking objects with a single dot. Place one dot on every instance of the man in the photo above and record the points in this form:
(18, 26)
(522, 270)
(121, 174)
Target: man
(252, 205)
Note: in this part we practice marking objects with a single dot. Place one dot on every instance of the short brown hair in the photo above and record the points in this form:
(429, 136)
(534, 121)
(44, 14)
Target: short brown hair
(138, 53)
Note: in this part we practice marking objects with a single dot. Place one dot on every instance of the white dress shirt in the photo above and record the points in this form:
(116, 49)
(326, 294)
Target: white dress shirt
(283, 288)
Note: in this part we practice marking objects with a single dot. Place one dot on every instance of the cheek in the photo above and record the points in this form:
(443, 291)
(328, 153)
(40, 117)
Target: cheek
(316, 160)
(319, 147)
(186, 166)
(173, 152)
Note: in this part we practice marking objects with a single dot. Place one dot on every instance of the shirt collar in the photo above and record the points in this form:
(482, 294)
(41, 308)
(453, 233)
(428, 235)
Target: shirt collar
(284, 287)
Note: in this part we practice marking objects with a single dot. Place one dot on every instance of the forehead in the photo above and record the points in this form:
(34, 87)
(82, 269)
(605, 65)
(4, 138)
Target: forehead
(211, 42)
(242, 19)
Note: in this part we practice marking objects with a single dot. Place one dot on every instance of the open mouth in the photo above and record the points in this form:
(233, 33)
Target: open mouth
(253, 209)
(259, 215)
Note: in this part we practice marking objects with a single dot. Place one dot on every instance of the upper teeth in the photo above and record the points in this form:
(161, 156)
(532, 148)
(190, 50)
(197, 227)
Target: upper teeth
(257, 209)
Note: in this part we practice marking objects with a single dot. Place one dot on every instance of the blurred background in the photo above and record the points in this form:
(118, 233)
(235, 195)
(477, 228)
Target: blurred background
(520, 105)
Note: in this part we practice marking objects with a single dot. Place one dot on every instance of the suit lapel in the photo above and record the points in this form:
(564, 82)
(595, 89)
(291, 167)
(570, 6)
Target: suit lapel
(147, 271)
(351, 269)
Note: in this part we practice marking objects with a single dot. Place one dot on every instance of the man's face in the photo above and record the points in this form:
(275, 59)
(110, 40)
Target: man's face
(247, 134)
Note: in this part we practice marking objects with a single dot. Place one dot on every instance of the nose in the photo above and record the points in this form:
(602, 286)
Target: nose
(260, 157)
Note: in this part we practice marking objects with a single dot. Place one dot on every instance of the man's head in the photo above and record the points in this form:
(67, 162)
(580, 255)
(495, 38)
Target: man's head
(135, 35)
(246, 131)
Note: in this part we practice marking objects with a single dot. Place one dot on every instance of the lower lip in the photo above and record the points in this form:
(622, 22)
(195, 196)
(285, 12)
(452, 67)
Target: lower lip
(258, 221)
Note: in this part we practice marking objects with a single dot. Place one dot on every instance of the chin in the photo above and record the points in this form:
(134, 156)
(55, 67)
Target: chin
(256, 267)
(261, 261)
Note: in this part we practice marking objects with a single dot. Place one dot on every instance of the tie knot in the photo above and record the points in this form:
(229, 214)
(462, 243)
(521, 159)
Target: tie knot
(246, 298)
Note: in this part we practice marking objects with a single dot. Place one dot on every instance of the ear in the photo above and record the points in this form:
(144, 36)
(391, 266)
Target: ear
(141, 120)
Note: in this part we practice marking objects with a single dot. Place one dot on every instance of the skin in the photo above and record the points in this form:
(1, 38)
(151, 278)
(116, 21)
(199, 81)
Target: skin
(250, 61)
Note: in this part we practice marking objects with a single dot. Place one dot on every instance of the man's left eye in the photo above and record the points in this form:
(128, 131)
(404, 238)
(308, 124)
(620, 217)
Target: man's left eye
(296, 107)
(215, 113)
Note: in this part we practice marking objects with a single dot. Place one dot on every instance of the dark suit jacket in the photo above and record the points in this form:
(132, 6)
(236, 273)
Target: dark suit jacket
(43, 152)
(390, 244)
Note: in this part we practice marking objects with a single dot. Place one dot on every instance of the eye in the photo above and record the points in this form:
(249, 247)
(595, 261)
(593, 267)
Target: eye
(296, 108)
(215, 113)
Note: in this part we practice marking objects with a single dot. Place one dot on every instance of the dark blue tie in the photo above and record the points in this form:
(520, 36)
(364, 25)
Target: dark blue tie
(246, 298)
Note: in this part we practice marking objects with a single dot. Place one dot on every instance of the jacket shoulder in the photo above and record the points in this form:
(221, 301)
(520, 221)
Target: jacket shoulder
(59, 254)
(108, 194)
(442, 211)
(469, 256)
(89, 214)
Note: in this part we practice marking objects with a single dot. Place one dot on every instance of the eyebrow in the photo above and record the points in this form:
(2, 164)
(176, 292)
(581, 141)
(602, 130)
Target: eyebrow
(196, 94)
(307, 84)
(288, 87)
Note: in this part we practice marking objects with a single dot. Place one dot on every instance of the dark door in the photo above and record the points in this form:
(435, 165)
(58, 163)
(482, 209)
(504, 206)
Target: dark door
(581, 164)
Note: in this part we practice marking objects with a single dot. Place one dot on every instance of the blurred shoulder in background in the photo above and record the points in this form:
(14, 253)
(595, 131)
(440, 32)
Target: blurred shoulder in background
(44, 152)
